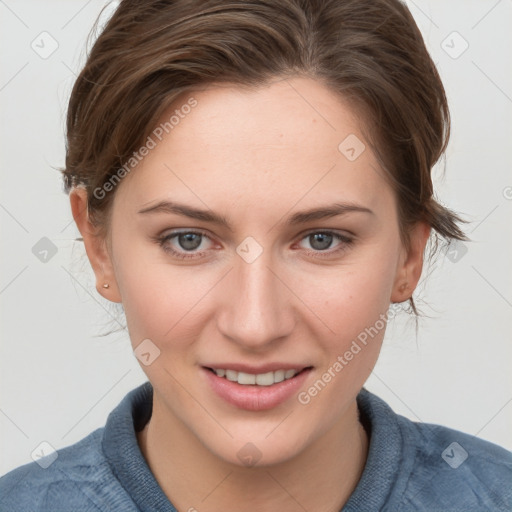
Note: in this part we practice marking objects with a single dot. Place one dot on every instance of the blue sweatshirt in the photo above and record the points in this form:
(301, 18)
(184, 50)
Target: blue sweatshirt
(411, 466)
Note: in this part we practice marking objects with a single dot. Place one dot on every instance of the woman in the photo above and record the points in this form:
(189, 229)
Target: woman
(252, 182)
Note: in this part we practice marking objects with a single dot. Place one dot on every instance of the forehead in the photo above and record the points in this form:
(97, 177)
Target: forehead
(290, 141)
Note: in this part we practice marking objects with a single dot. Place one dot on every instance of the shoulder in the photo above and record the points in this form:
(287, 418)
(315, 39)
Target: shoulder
(452, 470)
(77, 477)
(427, 467)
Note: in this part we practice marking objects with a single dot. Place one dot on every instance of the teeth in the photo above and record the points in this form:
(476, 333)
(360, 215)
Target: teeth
(232, 375)
(246, 378)
(261, 379)
(288, 374)
(279, 376)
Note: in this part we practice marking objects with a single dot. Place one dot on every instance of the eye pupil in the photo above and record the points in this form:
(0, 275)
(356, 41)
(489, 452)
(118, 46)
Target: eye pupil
(324, 238)
(189, 241)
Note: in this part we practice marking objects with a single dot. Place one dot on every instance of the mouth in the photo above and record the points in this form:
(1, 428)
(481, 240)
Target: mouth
(257, 379)
(256, 389)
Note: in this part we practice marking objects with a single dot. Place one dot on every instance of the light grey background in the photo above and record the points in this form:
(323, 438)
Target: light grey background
(59, 380)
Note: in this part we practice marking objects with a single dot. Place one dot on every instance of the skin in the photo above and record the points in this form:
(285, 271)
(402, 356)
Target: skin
(255, 157)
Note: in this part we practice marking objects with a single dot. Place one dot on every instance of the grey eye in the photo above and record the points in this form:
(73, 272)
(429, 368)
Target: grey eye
(320, 241)
(189, 241)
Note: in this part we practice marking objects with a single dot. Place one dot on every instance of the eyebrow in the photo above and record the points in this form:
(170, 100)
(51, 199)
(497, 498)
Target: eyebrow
(302, 217)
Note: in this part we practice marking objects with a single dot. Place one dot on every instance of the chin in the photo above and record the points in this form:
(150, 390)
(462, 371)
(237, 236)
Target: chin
(257, 451)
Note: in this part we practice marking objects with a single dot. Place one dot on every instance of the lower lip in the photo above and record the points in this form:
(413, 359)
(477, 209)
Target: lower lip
(254, 397)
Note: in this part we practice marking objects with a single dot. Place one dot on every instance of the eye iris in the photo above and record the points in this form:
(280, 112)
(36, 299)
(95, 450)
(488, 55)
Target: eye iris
(189, 241)
(324, 238)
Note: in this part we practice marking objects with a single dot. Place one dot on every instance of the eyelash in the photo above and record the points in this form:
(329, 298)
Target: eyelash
(346, 243)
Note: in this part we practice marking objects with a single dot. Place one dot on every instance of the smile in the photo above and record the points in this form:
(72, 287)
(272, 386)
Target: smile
(260, 379)
(261, 390)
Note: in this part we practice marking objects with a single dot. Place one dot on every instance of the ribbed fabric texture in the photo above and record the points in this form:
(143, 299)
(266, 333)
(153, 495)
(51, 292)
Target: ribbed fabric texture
(124, 455)
(411, 467)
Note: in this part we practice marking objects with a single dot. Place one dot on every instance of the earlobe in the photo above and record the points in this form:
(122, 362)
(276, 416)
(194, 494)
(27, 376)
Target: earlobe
(411, 265)
(95, 246)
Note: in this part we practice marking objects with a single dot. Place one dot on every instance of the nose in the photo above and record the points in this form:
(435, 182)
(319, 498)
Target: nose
(256, 307)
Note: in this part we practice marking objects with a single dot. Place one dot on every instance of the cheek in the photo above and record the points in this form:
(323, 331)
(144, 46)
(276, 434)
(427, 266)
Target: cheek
(354, 304)
(158, 296)
(163, 301)
(351, 297)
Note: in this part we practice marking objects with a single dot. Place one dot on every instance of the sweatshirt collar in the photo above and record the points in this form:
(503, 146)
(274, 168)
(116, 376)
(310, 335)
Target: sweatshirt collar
(123, 453)
(130, 467)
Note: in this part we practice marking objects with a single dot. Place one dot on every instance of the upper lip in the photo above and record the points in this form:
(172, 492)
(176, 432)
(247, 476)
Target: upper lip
(264, 368)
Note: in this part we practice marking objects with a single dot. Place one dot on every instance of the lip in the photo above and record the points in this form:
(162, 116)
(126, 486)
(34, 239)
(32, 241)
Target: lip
(253, 397)
(265, 368)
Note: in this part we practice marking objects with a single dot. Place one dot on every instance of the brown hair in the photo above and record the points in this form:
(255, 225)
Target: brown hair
(370, 51)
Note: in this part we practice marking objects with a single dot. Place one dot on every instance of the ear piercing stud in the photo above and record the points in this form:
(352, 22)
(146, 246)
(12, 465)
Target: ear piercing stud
(106, 285)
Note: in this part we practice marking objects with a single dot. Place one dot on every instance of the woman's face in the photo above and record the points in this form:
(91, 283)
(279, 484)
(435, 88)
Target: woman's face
(269, 288)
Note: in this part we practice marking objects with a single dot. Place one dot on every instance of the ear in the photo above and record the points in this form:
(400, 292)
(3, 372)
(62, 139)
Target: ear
(95, 246)
(411, 264)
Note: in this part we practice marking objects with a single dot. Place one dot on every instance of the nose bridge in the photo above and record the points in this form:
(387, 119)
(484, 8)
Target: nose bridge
(255, 312)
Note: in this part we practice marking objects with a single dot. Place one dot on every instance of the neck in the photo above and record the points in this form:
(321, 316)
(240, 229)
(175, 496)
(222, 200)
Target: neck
(321, 477)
